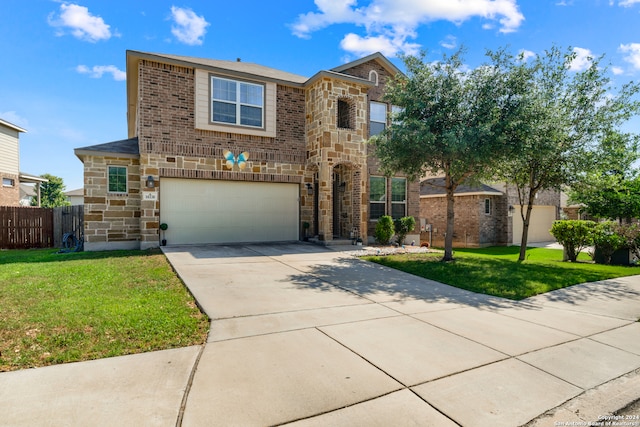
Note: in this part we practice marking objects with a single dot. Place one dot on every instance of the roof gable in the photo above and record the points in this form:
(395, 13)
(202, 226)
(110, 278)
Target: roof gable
(378, 57)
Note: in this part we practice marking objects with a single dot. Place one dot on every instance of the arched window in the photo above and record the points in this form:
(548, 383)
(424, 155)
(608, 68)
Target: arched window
(373, 77)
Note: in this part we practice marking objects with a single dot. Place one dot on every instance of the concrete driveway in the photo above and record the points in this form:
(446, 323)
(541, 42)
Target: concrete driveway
(309, 336)
(305, 336)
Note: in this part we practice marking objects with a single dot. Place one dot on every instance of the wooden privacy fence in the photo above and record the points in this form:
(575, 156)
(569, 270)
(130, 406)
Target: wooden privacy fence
(31, 227)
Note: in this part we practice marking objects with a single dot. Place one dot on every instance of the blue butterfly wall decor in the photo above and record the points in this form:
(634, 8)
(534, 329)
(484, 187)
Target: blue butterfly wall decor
(240, 159)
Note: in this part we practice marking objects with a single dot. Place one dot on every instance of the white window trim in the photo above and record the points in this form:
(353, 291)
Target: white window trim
(238, 103)
(371, 104)
(126, 179)
(8, 182)
(373, 77)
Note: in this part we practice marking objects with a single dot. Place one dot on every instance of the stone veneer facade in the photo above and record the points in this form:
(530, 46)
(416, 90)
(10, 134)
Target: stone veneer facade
(308, 148)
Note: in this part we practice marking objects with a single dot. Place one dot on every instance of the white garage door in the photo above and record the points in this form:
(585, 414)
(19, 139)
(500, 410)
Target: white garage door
(207, 211)
(542, 218)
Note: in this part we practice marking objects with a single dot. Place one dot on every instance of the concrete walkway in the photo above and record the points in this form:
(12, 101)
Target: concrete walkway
(305, 336)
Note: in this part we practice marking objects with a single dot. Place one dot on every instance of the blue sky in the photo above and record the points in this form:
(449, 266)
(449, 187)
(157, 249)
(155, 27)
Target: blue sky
(63, 63)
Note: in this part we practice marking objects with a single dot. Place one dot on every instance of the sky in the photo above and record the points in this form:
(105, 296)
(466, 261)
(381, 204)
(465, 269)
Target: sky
(62, 67)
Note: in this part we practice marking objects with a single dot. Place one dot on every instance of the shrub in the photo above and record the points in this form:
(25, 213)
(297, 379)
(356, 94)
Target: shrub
(404, 226)
(630, 234)
(607, 240)
(574, 235)
(384, 230)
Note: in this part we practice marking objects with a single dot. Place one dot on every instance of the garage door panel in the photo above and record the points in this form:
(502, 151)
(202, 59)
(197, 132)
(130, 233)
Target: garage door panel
(542, 218)
(204, 211)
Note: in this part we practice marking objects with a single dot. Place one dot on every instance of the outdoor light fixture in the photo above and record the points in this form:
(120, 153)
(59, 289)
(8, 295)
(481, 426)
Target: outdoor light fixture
(309, 188)
(150, 182)
(511, 210)
(343, 186)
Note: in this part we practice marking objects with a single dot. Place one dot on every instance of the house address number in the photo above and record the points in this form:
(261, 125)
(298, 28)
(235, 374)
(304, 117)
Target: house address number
(150, 195)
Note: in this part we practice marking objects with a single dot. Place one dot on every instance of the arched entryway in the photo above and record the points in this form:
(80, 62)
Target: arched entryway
(345, 197)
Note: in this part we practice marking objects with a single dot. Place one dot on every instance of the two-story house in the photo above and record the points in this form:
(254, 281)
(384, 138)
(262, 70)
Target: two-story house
(10, 163)
(229, 151)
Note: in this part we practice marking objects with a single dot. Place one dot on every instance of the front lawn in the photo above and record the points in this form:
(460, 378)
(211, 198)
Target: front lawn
(57, 308)
(496, 271)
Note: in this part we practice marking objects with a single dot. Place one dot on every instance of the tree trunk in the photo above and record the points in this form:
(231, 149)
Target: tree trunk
(526, 218)
(448, 238)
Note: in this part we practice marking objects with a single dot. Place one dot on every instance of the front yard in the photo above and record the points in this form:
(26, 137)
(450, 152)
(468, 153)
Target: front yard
(57, 308)
(496, 271)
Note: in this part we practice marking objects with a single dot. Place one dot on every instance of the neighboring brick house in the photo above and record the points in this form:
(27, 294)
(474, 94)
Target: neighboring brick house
(225, 152)
(484, 215)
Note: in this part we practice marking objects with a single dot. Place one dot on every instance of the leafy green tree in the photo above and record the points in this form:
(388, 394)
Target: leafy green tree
(51, 193)
(451, 122)
(563, 116)
(611, 188)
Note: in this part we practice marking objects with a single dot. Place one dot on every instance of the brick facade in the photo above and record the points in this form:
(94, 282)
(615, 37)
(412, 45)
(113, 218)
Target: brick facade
(308, 148)
(9, 195)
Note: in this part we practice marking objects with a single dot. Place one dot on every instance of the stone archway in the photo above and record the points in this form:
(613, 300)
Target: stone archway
(345, 201)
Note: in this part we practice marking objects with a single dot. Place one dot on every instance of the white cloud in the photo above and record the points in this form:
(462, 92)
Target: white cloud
(396, 21)
(98, 70)
(628, 3)
(188, 27)
(82, 24)
(526, 54)
(617, 70)
(449, 42)
(583, 59)
(362, 46)
(633, 54)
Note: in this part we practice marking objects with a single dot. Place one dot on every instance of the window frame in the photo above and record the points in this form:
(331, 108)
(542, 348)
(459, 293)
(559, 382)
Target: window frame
(378, 202)
(344, 114)
(487, 206)
(397, 202)
(126, 179)
(237, 102)
(8, 182)
(371, 119)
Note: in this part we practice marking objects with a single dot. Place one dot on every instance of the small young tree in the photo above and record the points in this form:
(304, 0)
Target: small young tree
(574, 236)
(384, 230)
(404, 226)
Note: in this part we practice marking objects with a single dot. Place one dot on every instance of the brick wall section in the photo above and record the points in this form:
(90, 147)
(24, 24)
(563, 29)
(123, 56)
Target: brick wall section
(9, 196)
(111, 220)
(171, 146)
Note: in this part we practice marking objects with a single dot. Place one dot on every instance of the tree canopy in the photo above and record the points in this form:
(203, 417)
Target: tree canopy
(51, 193)
(450, 122)
(564, 116)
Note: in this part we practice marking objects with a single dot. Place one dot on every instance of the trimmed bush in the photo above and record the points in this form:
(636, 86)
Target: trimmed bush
(574, 235)
(606, 240)
(384, 230)
(404, 226)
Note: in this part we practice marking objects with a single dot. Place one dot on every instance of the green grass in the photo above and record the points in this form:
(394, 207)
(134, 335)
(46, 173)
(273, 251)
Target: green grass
(496, 271)
(58, 308)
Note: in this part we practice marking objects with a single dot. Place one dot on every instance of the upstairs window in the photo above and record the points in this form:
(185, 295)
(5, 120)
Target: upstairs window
(377, 117)
(344, 115)
(117, 180)
(237, 103)
(487, 206)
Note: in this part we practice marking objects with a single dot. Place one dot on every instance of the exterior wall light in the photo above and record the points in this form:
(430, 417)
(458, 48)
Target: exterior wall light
(511, 210)
(309, 188)
(150, 182)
